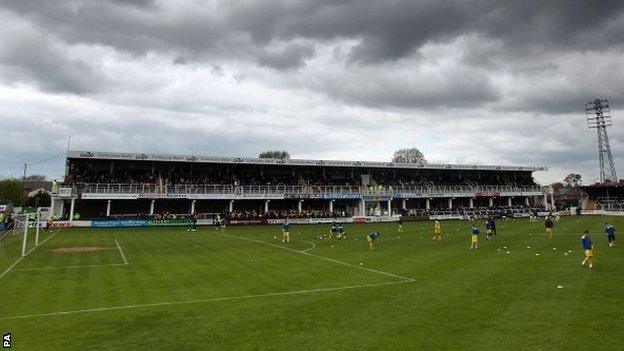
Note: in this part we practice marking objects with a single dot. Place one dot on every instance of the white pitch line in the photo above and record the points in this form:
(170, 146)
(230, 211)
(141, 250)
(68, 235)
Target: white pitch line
(310, 248)
(22, 257)
(70, 267)
(41, 243)
(217, 299)
(123, 257)
(323, 258)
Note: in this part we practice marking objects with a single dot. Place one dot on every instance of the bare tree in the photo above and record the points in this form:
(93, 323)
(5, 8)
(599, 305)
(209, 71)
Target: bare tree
(572, 179)
(412, 155)
(282, 155)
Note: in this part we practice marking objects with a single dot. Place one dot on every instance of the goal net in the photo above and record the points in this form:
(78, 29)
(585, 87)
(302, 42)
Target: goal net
(26, 231)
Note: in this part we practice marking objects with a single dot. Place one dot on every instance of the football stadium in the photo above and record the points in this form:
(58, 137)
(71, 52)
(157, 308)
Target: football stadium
(311, 175)
(190, 252)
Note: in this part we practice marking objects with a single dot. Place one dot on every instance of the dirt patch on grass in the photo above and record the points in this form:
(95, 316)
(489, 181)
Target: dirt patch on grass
(80, 249)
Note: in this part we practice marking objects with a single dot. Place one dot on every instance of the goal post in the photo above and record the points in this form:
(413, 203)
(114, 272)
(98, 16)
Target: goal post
(23, 223)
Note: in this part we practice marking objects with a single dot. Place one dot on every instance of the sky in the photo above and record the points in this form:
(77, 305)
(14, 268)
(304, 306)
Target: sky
(487, 82)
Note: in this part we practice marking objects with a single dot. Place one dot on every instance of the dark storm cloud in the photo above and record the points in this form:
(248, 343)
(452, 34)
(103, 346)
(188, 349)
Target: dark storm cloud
(475, 65)
(28, 55)
(387, 30)
(266, 32)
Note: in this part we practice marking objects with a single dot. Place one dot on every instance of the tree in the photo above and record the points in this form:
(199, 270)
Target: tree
(41, 199)
(35, 178)
(12, 191)
(282, 155)
(572, 179)
(412, 155)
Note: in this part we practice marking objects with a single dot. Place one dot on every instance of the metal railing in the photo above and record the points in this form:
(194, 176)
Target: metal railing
(145, 188)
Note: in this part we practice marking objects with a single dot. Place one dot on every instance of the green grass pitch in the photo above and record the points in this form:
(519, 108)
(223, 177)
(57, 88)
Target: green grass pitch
(169, 289)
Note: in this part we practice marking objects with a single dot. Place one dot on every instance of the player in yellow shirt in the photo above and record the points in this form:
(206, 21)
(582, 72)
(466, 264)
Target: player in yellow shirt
(437, 231)
(588, 246)
(474, 237)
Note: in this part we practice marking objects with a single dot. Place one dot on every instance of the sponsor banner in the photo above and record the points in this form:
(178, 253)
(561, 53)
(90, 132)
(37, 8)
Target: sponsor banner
(163, 196)
(445, 217)
(602, 213)
(487, 194)
(247, 221)
(57, 224)
(448, 194)
(521, 215)
(169, 222)
(209, 221)
(81, 223)
(311, 220)
(108, 196)
(259, 196)
(416, 218)
(374, 219)
(118, 223)
(410, 195)
(342, 196)
(377, 198)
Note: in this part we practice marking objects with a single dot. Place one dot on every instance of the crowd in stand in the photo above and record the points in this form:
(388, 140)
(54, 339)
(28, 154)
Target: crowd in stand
(184, 175)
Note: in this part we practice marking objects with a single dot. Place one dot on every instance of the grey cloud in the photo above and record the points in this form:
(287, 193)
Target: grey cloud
(292, 56)
(29, 55)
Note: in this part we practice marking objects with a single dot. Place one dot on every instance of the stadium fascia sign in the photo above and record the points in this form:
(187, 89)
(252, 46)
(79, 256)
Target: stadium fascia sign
(377, 198)
(108, 196)
(294, 162)
(342, 196)
(487, 194)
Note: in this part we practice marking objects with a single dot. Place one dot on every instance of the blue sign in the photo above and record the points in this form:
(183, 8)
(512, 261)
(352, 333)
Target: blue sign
(119, 223)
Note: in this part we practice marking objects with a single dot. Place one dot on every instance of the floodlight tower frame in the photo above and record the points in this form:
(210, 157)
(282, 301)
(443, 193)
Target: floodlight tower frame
(599, 117)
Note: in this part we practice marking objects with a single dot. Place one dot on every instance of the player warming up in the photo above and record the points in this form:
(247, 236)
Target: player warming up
(333, 231)
(400, 224)
(286, 232)
(341, 232)
(437, 231)
(372, 236)
(589, 250)
(610, 233)
(488, 229)
(474, 237)
(193, 223)
(549, 226)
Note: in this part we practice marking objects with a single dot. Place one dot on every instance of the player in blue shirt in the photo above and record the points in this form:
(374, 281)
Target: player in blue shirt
(488, 229)
(474, 237)
(341, 232)
(610, 233)
(371, 237)
(589, 250)
(286, 231)
(334, 229)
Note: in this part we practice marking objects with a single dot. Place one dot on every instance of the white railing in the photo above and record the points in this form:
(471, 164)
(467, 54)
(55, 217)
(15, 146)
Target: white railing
(144, 188)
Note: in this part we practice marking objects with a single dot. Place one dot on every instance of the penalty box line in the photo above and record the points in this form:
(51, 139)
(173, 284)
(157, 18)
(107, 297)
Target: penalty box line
(404, 279)
(216, 299)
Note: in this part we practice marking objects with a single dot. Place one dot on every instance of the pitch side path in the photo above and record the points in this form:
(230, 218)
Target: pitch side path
(169, 289)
